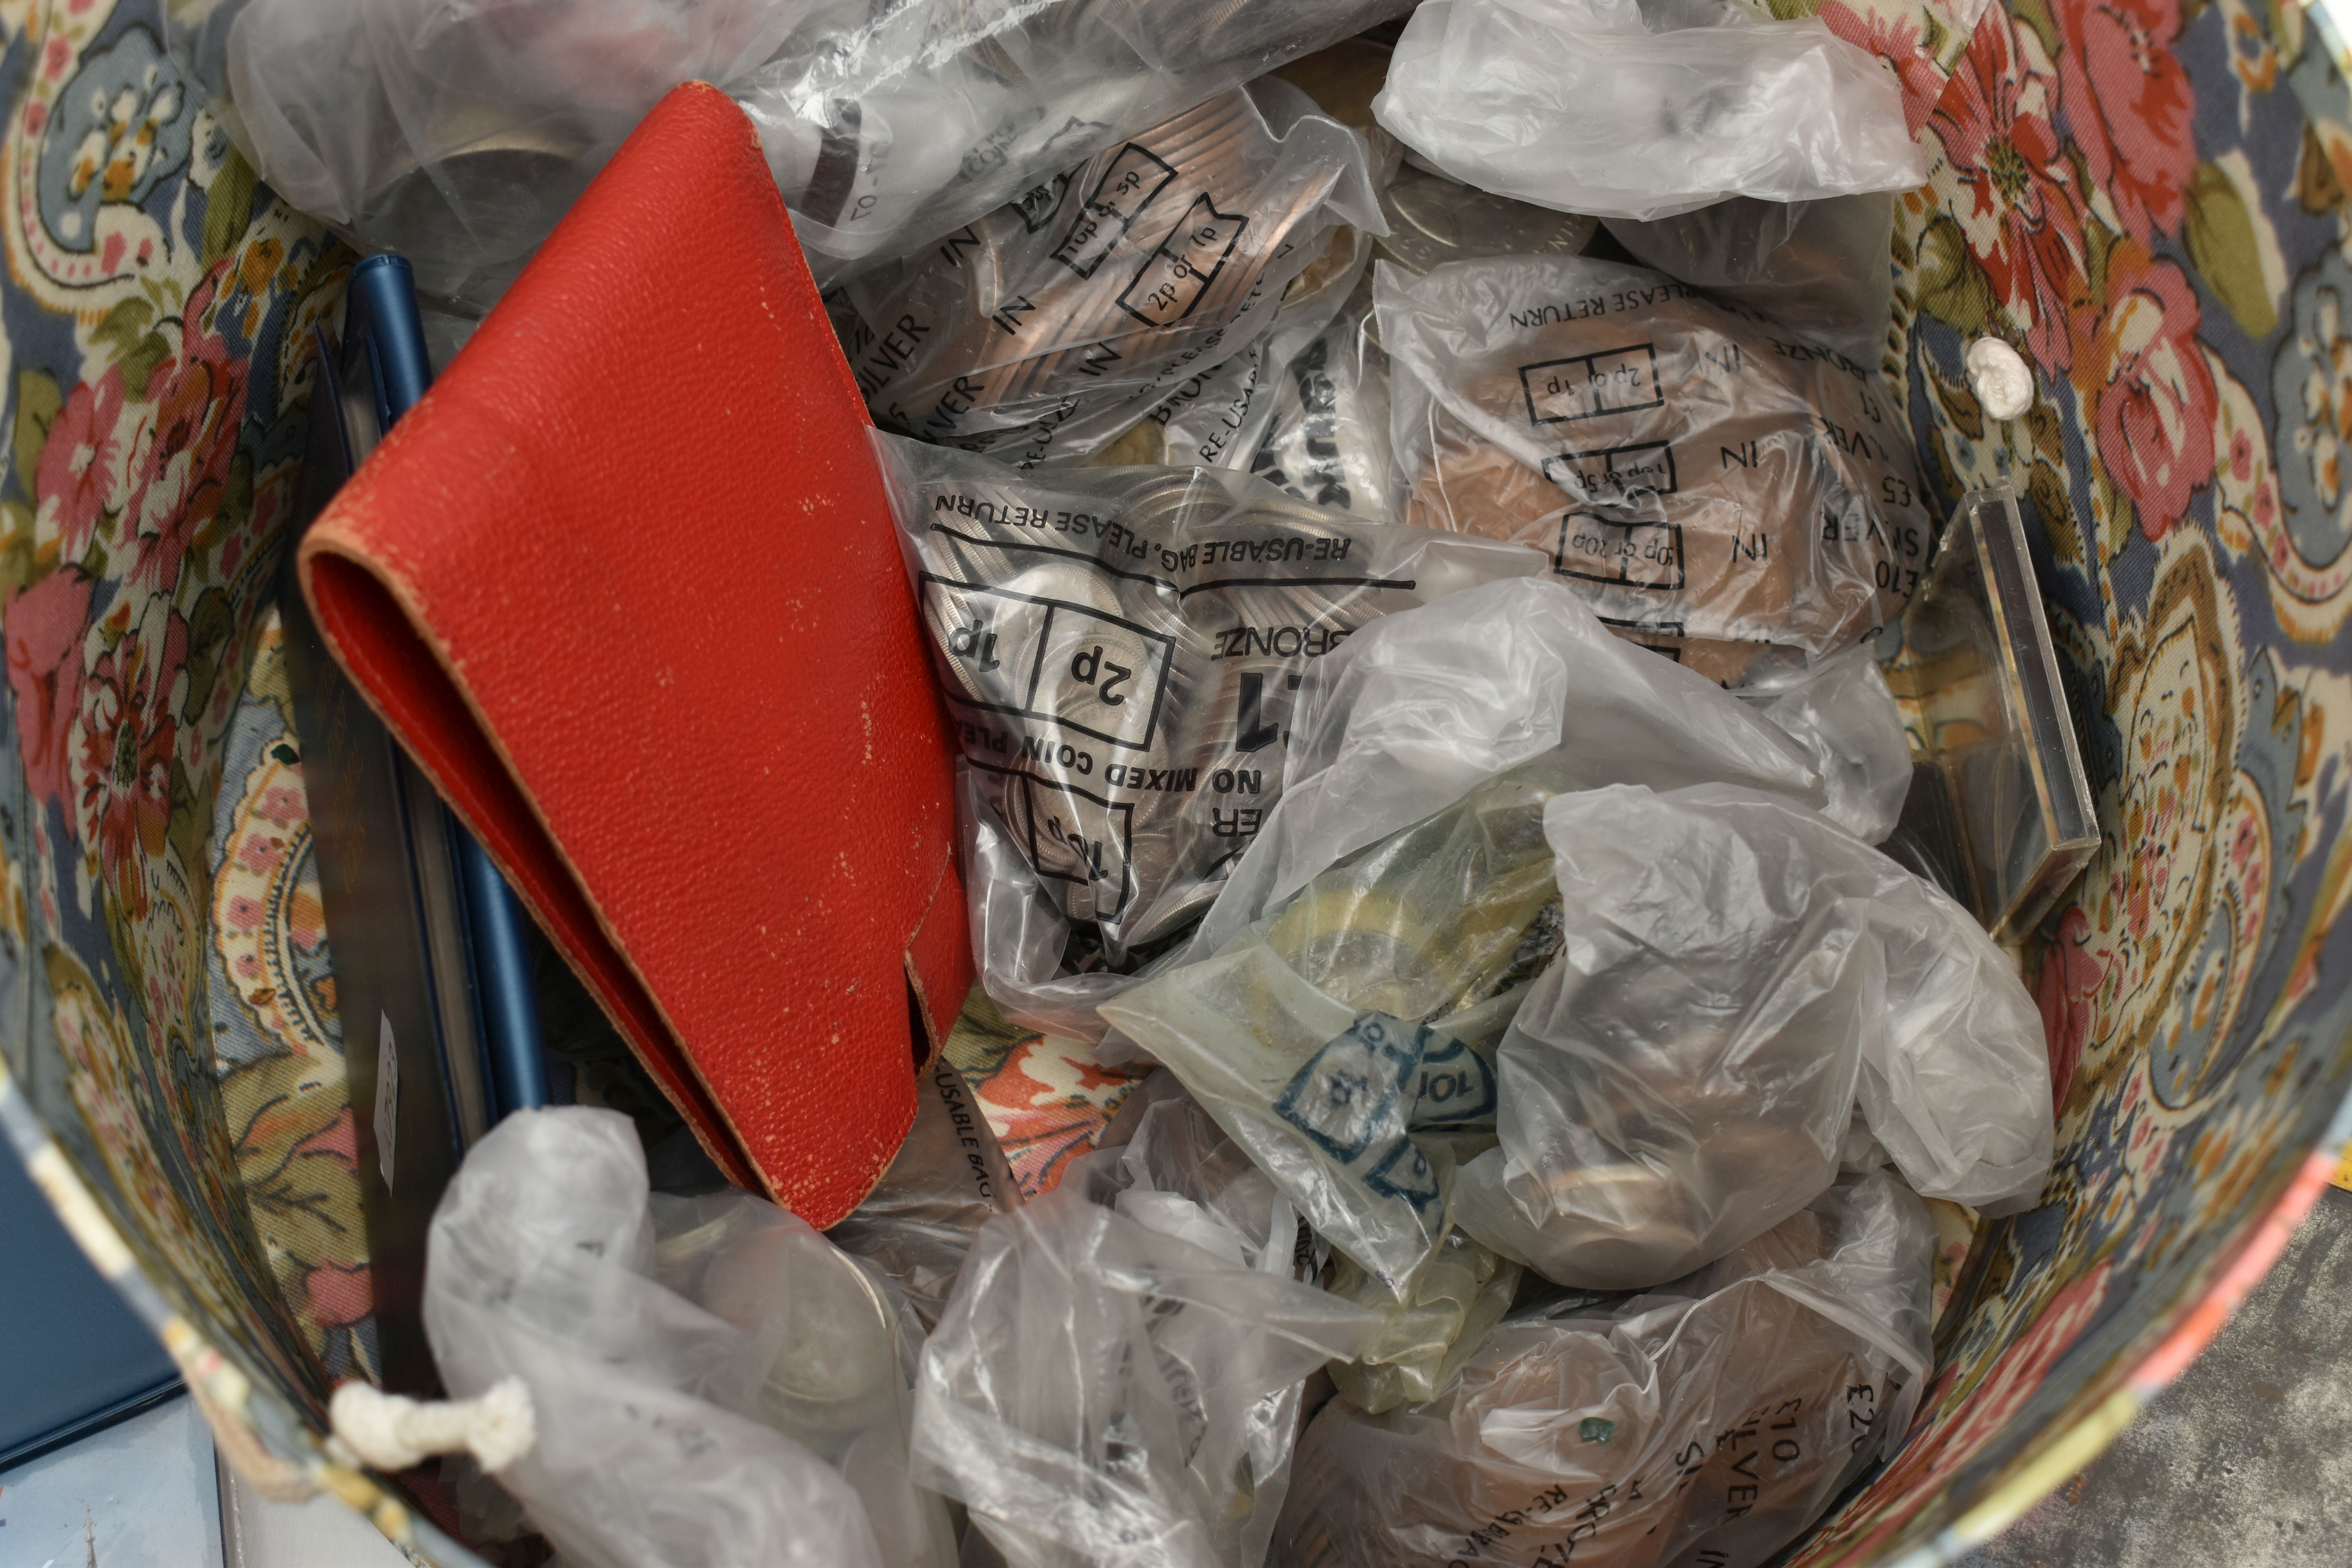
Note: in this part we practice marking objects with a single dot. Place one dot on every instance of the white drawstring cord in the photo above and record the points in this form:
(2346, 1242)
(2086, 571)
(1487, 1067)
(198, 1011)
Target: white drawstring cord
(393, 1432)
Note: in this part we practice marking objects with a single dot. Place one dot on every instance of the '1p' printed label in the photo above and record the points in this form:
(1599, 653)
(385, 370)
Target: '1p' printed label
(1180, 270)
(1610, 381)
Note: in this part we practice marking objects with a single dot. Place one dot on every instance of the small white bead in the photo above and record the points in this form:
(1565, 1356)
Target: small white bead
(2002, 383)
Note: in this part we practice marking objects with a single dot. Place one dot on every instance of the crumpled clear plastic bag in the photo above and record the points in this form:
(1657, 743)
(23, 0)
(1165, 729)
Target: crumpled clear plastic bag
(1709, 484)
(459, 135)
(1735, 975)
(1842, 710)
(1120, 648)
(1417, 710)
(1044, 330)
(662, 1356)
(1823, 269)
(1640, 108)
(1120, 1386)
(1324, 409)
(888, 125)
(1176, 1172)
(836, 1346)
(1461, 1293)
(948, 1180)
(1708, 1421)
(1403, 885)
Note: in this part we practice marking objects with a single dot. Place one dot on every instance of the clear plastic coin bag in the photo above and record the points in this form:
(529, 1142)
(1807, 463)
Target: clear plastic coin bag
(1120, 649)
(1737, 981)
(1358, 958)
(1042, 332)
(1117, 1380)
(1713, 485)
(1707, 1421)
(459, 135)
(711, 1380)
(1640, 108)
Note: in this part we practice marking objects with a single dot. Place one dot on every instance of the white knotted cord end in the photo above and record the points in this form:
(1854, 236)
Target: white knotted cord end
(393, 1432)
(2003, 381)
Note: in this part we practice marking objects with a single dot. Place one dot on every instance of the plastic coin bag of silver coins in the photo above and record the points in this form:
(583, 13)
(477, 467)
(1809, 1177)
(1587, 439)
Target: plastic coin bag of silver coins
(1117, 1378)
(1042, 332)
(1707, 1421)
(1121, 648)
(1737, 980)
(458, 135)
(1639, 109)
(1711, 483)
(1324, 1035)
(712, 1381)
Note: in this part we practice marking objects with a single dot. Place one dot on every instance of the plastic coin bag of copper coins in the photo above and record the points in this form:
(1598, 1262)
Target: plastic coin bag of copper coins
(658, 1444)
(1324, 409)
(1639, 109)
(1735, 975)
(889, 126)
(1707, 1421)
(1044, 330)
(1117, 1380)
(1421, 708)
(1218, 417)
(1121, 648)
(1712, 486)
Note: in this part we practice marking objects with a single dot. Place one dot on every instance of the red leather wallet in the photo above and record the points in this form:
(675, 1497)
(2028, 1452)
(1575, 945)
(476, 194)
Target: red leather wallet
(626, 584)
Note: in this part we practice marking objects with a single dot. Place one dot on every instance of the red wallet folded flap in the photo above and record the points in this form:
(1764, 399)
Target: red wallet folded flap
(626, 584)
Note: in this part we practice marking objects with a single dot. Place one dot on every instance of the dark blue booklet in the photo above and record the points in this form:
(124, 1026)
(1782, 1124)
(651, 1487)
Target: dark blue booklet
(432, 954)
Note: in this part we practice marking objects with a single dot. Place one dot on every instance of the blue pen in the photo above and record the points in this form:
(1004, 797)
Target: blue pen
(382, 305)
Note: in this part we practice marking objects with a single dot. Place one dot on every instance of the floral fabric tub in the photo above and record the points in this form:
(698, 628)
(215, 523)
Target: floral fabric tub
(2147, 199)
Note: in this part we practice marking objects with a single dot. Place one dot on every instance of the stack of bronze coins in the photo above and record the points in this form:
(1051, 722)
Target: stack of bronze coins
(1045, 331)
(1085, 303)
(1712, 486)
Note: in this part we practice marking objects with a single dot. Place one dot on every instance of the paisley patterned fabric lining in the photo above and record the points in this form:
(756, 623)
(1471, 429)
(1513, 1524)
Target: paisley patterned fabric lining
(2145, 198)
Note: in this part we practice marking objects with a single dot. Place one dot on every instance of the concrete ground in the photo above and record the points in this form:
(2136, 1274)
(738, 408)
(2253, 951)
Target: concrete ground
(2246, 1462)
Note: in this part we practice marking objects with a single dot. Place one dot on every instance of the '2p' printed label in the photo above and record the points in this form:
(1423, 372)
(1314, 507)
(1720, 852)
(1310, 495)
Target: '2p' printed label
(1046, 659)
(1615, 473)
(1187, 262)
(1609, 381)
